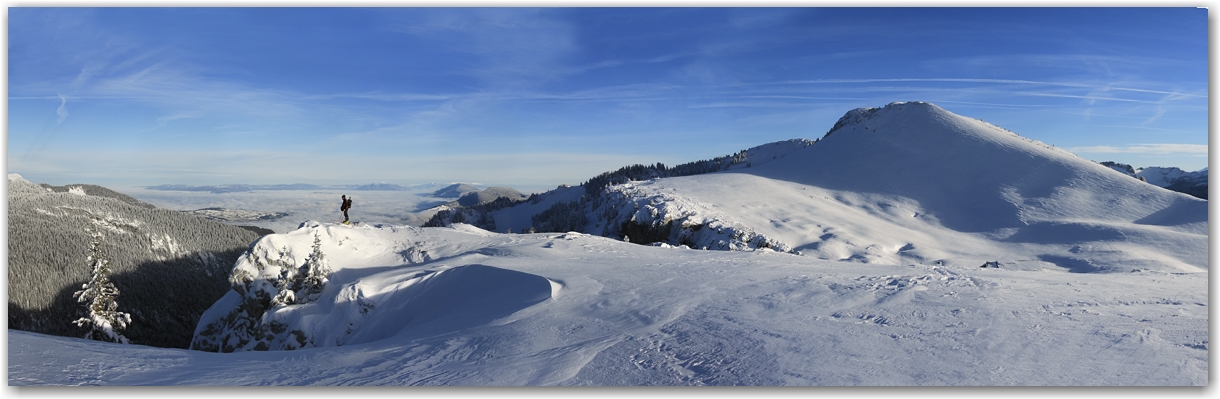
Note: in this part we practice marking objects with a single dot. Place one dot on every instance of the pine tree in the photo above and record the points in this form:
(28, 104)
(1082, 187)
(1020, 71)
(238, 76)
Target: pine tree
(315, 273)
(102, 318)
(288, 283)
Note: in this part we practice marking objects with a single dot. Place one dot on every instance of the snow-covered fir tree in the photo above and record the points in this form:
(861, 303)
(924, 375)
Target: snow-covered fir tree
(102, 317)
(288, 283)
(314, 274)
(303, 284)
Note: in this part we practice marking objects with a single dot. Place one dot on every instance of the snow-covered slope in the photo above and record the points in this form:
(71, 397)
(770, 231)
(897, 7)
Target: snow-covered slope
(575, 309)
(974, 177)
(956, 180)
(913, 183)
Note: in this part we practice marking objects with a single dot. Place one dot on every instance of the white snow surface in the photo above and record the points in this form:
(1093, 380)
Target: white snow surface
(1101, 280)
(982, 191)
(913, 183)
(576, 309)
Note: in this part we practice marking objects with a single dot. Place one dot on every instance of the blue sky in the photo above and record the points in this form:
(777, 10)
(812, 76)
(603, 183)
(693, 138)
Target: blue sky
(534, 98)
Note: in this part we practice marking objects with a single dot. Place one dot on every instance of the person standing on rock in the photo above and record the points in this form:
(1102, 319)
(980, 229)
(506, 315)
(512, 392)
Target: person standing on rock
(346, 204)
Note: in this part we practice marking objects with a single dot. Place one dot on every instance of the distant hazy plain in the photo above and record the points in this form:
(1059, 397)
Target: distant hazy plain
(389, 207)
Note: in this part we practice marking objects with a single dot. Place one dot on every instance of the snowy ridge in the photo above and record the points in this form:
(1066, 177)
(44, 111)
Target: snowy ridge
(760, 155)
(526, 212)
(967, 170)
(906, 183)
(956, 178)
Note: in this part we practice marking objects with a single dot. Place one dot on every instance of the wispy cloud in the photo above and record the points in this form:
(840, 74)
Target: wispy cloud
(379, 96)
(1156, 149)
(1062, 64)
(771, 101)
(511, 47)
(62, 111)
(630, 92)
(150, 80)
(1171, 95)
(1090, 98)
(1160, 111)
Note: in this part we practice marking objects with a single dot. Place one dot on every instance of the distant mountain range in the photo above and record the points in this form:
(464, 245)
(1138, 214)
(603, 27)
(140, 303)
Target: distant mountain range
(455, 190)
(1171, 178)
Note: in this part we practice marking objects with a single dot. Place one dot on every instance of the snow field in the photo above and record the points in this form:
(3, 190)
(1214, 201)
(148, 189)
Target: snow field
(637, 315)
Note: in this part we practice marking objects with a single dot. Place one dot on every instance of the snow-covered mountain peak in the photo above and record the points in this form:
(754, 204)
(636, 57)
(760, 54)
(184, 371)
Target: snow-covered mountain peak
(940, 159)
(945, 171)
(864, 115)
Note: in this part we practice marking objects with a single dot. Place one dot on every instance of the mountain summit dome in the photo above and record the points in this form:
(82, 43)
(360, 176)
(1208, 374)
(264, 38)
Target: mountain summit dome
(976, 176)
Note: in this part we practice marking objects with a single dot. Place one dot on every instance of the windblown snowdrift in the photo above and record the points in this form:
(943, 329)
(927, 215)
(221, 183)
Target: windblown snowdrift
(375, 290)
